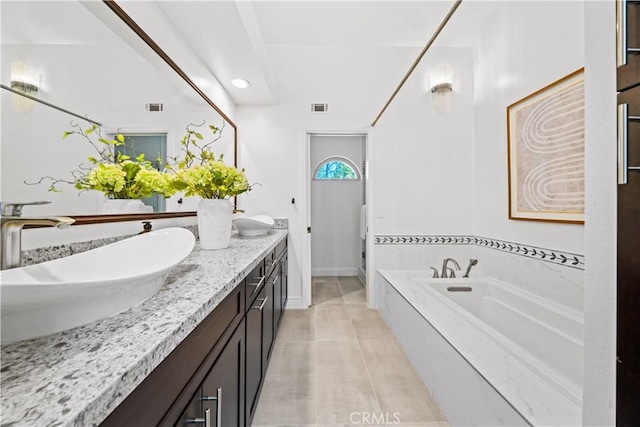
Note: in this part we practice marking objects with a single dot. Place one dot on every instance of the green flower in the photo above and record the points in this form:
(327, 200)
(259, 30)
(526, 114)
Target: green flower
(153, 181)
(112, 173)
(211, 180)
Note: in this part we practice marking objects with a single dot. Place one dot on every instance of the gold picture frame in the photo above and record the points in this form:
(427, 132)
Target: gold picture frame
(545, 153)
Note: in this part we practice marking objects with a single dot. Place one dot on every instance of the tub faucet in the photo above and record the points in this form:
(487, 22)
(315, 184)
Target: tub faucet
(451, 273)
(11, 234)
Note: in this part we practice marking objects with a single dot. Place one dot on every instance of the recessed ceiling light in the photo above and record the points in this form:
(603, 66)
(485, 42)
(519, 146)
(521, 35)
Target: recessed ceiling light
(241, 83)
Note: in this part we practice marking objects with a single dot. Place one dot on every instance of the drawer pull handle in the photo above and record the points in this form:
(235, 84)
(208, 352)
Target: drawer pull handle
(621, 33)
(275, 279)
(207, 414)
(623, 143)
(264, 301)
(257, 284)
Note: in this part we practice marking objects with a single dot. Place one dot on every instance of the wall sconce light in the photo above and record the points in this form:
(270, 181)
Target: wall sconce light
(22, 81)
(442, 89)
(441, 97)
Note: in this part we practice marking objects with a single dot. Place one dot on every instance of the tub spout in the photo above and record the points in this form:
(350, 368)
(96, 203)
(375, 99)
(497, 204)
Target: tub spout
(446, 261)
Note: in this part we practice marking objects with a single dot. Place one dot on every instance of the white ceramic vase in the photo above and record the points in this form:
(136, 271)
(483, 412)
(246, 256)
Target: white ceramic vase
(121, 206)
(214, 223)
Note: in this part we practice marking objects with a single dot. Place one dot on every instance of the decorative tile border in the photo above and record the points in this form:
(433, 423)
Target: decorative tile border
(566, 259)
(424, 240)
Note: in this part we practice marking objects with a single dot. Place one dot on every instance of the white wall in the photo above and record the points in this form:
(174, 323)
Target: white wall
(600, 229)
(525, 46)
(335, 209)
(423, 162)
(272, 139)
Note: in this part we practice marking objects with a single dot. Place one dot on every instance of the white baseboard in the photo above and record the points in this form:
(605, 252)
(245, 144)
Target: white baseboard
(343, 271)
(295, 304)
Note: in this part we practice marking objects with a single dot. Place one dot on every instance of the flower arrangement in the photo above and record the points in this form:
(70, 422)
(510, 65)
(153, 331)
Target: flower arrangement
(200, 173)
(116, 175)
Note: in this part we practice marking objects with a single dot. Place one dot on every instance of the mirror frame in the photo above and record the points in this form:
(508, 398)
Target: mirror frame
(102, 219)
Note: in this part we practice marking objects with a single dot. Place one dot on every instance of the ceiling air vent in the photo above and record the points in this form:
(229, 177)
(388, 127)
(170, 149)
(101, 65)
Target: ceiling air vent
(155, 107)
(319, 108)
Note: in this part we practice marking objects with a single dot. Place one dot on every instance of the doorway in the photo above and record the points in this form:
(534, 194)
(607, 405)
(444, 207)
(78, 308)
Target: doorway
(154, 148)
(338, 223)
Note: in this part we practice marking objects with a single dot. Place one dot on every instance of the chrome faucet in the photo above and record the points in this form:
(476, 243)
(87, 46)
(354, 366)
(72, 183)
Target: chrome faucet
(12, 223)
(452, 273)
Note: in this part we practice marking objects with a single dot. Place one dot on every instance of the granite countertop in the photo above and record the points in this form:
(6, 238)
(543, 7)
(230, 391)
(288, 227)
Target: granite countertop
(77, 377)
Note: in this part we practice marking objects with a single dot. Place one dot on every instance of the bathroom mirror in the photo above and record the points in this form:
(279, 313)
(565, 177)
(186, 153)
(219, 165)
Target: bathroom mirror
(87, 59)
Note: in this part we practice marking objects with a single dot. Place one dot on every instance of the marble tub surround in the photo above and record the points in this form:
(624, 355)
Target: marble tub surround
(77, 377)
(519, 264)
(515, 396)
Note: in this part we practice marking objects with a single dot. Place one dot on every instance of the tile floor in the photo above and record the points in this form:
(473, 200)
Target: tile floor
(338, 364)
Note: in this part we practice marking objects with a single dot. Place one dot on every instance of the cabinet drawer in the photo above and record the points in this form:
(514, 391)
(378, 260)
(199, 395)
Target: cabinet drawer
(273, 257)
(254, 282)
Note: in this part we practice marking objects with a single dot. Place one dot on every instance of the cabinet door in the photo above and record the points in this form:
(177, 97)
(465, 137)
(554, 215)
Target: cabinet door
(194, 414)
(254, 354)
(285, 279)
(223, 387)
(267, 323)
(628, 17)
(277, 297)
(628, 270)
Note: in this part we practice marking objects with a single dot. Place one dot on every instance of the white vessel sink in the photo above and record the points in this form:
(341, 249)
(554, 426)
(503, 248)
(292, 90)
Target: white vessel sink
(257, 225)
(58, 295)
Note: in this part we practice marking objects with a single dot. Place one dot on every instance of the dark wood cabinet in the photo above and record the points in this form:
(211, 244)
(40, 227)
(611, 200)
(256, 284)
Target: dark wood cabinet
(628, 234)
(254, 360)
(267, 323)
(280, 289)
(628, 54)
(285, 279)
(193, 414)
(223, 396)
(628, 272)
(277, 296)
(214, 377)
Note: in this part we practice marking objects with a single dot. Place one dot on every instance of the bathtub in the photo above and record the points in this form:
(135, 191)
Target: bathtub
(528, 350)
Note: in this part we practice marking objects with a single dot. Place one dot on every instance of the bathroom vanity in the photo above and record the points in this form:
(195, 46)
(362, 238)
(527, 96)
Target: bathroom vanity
(196, 353)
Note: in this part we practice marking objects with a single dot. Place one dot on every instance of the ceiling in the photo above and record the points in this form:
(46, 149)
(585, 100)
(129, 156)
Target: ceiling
(289, 49)
(283, 47)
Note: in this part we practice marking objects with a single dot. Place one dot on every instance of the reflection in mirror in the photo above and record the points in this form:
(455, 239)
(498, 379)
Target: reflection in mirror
(76, 56)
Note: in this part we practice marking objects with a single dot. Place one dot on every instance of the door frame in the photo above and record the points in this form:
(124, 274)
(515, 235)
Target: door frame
(110, 132)
(306, 192)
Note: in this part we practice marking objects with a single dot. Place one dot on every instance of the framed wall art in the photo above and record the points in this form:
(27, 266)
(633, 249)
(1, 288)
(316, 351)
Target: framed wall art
(545, 137)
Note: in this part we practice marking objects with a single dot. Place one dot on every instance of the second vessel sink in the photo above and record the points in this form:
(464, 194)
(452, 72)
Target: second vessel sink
(58, 295)
(257, 225)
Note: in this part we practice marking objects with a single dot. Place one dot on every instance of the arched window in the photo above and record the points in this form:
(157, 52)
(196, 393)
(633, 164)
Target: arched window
(336, 168)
